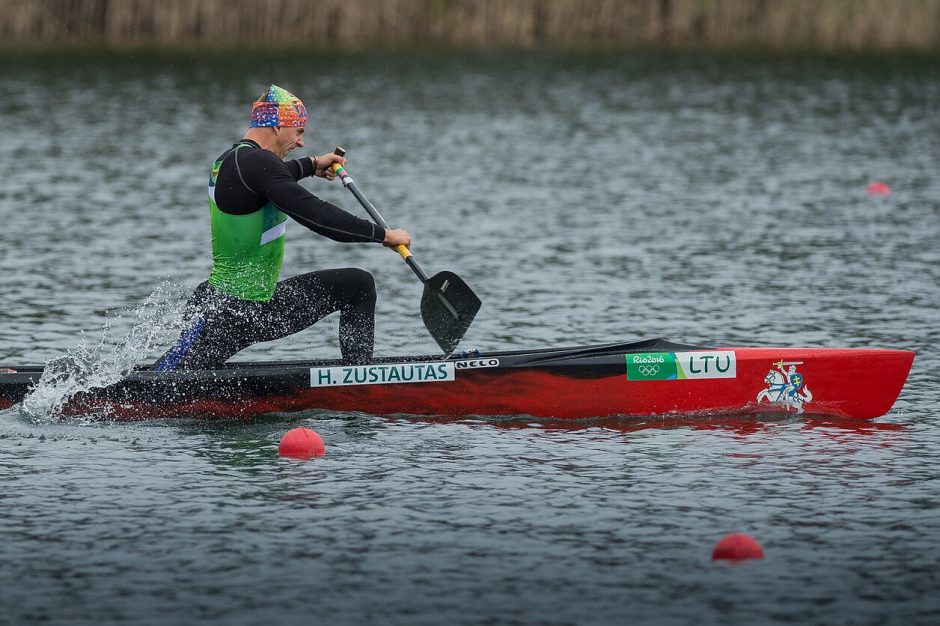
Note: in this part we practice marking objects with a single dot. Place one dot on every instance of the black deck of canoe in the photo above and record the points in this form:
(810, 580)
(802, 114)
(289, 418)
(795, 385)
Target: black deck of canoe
(271, 377)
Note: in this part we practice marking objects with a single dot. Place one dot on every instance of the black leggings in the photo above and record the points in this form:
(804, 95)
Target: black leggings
(219, 325)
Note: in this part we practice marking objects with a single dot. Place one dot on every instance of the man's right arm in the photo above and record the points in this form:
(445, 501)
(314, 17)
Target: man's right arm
(397, 237)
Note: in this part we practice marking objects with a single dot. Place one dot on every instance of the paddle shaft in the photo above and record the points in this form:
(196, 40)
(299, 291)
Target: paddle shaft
(350, 184)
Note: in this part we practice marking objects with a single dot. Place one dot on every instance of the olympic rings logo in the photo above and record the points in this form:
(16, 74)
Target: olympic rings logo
(649, 370)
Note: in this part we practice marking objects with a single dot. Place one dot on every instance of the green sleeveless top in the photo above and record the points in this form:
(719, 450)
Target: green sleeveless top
(247, 250)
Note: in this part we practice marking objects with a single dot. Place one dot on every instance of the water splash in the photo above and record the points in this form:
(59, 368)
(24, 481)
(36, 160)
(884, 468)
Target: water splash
(155, 324)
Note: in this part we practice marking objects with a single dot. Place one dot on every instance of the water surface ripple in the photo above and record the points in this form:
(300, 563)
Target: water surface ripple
(587, 198)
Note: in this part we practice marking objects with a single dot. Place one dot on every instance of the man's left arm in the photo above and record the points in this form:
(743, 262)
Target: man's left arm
(321, 166)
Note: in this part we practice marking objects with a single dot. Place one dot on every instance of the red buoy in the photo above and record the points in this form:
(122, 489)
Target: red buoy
(737, 547)
(878, 188)
(301, 443)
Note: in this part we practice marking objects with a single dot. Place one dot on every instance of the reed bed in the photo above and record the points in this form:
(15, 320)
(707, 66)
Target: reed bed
(880, 25)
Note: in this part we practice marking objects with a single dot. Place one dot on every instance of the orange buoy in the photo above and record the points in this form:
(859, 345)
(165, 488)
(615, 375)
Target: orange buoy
(878, 188)
(737, 547)
(301, 443)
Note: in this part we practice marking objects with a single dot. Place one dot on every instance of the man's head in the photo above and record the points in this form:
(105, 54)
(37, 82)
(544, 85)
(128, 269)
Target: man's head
(284, 114)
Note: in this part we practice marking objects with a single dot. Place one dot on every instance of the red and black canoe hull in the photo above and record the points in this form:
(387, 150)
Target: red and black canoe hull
(652, 377)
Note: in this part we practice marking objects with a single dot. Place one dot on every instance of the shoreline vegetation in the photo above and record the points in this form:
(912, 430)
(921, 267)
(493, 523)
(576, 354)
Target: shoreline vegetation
(352, 25)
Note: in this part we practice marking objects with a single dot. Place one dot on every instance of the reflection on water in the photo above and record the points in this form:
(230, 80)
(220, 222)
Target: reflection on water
(741, 425)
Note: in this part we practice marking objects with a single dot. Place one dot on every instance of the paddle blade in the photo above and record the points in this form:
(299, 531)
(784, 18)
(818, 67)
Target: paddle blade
(448, 306)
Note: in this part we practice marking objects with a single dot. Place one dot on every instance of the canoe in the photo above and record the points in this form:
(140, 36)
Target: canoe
(653, 377)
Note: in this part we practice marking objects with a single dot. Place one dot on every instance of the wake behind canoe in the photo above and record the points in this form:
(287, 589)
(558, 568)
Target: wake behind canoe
(653, 377)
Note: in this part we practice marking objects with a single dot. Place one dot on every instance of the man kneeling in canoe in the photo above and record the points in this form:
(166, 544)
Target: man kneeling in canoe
(252, 192)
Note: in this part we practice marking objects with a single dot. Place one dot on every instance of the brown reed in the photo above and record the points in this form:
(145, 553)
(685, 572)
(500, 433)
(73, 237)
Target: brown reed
(880, 25)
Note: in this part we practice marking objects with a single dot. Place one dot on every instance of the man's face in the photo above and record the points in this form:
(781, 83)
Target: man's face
(288, 138)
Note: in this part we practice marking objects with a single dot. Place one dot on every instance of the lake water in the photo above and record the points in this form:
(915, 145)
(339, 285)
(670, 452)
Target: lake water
(587, 198)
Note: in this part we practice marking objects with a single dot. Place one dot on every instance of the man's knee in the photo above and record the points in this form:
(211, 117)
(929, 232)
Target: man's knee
(364, 284)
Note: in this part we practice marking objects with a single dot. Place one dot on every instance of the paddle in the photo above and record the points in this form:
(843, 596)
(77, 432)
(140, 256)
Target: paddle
(448, 305)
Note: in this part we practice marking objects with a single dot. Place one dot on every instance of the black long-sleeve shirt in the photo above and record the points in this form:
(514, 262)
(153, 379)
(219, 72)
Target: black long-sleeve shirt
(251, 176)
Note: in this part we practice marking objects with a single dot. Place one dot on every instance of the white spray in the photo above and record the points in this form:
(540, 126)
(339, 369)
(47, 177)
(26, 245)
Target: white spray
(156, 324)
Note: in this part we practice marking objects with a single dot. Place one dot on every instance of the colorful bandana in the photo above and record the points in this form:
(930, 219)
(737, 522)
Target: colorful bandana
(278, 107)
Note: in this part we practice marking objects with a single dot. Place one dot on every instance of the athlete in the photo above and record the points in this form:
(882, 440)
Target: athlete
(252, 192)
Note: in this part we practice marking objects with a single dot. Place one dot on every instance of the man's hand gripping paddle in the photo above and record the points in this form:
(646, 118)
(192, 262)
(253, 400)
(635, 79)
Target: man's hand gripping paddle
(448, 305)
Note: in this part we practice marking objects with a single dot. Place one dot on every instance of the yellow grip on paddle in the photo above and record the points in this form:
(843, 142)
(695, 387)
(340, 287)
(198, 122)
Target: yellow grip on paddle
(403, 251)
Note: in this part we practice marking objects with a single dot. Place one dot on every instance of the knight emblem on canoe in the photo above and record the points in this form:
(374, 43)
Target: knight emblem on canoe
(786, 387)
